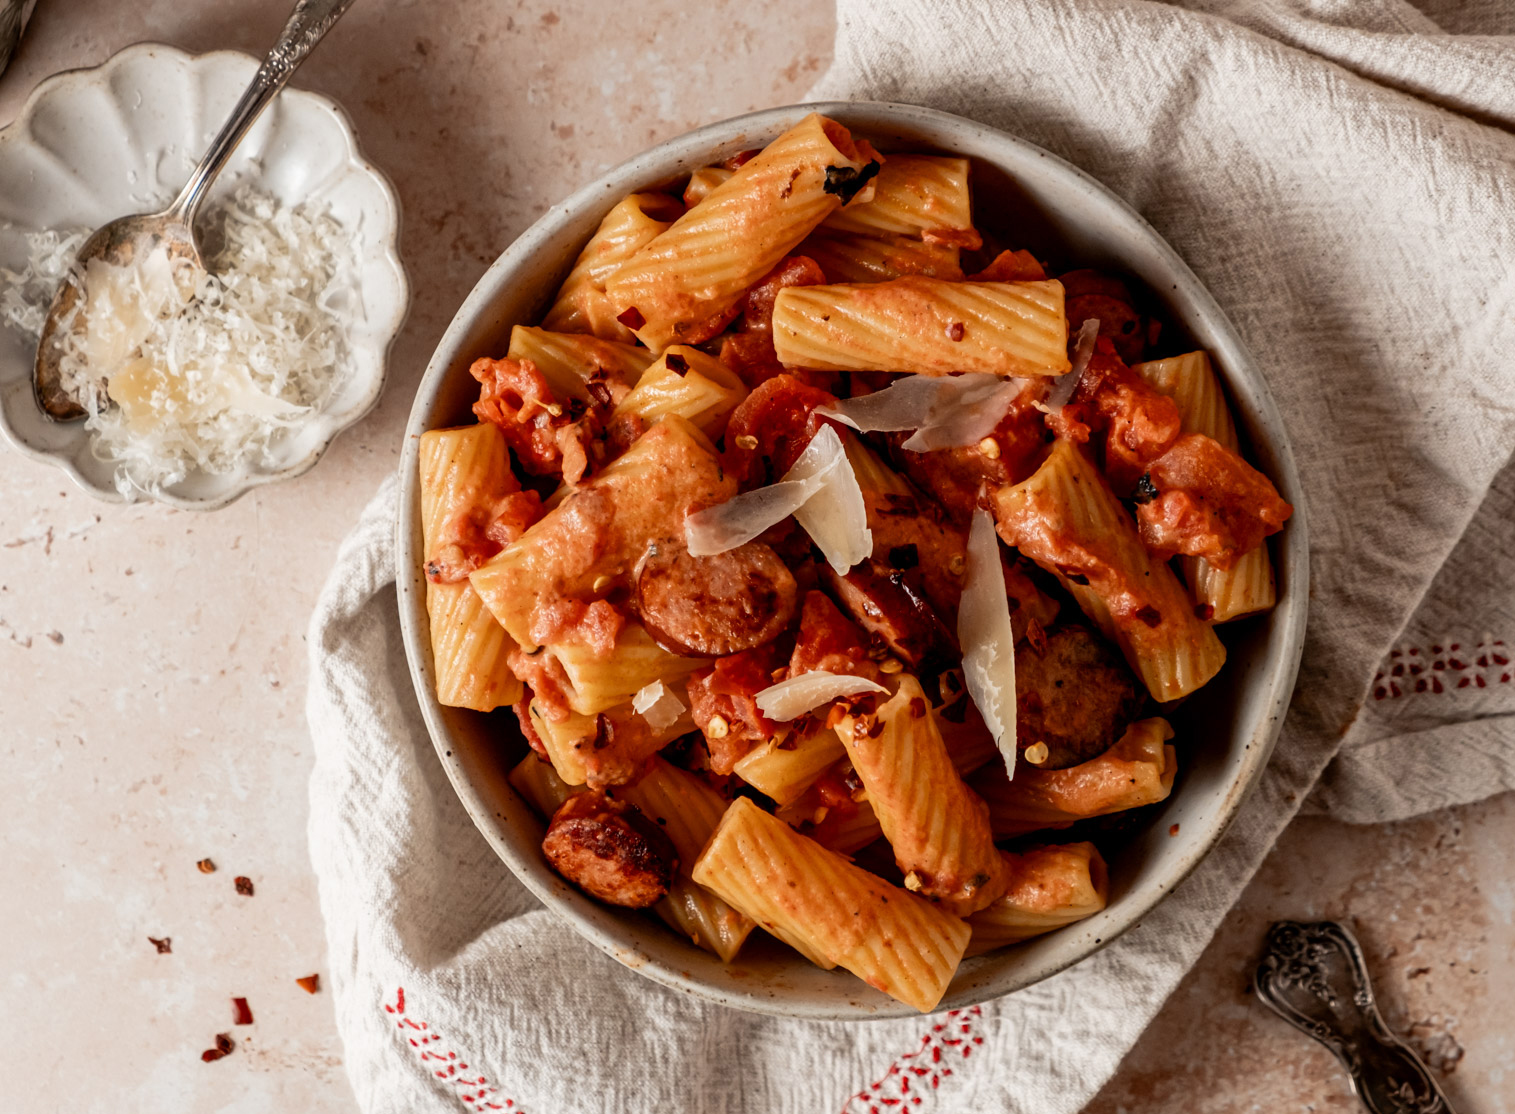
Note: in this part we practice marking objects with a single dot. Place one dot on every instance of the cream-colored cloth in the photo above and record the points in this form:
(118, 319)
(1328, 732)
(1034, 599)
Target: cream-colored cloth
(1342, 177)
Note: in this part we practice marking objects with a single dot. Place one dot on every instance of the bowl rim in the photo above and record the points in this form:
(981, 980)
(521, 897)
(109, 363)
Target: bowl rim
(389, 253)
(639, 171)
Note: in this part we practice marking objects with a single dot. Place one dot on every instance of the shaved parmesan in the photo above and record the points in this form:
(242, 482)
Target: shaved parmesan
(1064, 385)
(658, 706)
(983, 630)
(181, 371)
(821, 493)
(791, 699)
(835, 517)
(946, 411)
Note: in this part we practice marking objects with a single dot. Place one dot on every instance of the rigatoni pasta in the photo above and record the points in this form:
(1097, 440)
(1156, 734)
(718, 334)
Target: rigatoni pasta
(726, 601)
(888, 937)
(924, 326)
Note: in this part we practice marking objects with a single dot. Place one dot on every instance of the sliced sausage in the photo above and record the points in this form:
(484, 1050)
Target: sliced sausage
(891, 605)
(714, 606)
(1075, 694)
(610, 850)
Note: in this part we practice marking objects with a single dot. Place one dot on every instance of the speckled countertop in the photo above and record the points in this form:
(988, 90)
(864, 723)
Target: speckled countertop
(153, 662)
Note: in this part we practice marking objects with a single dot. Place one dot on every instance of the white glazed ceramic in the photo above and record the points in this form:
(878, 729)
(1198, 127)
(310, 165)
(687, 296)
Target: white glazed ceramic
(93, 145)
(1225, 732)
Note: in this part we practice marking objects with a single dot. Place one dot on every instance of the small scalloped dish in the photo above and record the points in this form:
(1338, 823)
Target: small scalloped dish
(92, 145)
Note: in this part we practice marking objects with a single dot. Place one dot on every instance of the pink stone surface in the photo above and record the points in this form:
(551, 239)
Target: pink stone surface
(154, 661)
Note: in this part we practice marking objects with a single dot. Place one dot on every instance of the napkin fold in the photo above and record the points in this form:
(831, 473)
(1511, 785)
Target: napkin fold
(1343, 181)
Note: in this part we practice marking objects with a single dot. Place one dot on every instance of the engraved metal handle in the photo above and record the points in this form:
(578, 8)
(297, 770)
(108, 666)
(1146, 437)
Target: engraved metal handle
(1314, 977)
(307, 25)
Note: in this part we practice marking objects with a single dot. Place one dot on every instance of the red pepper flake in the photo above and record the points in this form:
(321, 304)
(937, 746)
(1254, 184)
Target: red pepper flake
(244, 885)
(1204, 612)
(1150, 615)
(164, 945)
(205, 866)
(955, 331)
(310, 983)
(677, 364)
(223, 1047)
(631, 317)
(1173, 829)
(244, 1014)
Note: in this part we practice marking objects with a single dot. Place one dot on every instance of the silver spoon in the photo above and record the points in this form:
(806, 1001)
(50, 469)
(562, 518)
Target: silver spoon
(174, 228)
(1315, 978)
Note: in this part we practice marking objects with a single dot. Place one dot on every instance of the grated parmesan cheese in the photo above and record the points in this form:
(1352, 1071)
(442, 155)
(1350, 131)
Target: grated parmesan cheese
(182, 371)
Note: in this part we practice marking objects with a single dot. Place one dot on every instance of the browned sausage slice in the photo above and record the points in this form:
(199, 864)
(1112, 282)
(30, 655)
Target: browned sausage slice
(610, 851)
(892, 607)
(1075, 694)
(714, 606)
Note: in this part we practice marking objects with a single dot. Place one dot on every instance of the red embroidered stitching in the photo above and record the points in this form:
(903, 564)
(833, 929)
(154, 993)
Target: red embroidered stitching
(1443, 668)
(903, 1085)
(474, 1091)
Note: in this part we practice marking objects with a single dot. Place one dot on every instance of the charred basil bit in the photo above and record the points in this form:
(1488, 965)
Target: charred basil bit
(576, 409)
(601, 732)
(631, 317)
(1145, 490)
(845, 182)
(677, 364)
(979, 880)
(1150, 615)
(904, 556)
(1204, 612)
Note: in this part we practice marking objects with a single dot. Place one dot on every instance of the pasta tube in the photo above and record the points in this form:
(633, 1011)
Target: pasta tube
(591, 541)
(924, 325)
(688, 810)
(572, 362)
(1067, 520)
(851, 258)
(686, 382)
(1049, 887)
(581, 305)
(462, 469)
(1138, 770)
(598, 682)
(938, 827)
(896, 942)
(683, 285)
(1248, 587)
(784, 768)
(913, 195)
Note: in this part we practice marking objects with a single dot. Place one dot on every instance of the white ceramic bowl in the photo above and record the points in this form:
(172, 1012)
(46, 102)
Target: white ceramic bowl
(1225, 732)
(92, 145)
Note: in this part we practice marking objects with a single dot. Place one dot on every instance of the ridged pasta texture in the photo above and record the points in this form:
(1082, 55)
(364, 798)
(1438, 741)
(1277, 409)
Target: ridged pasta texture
(571, 361)
(894, 941)
(686, 382)
(851, 257)
(690, 275)
(590, 542)
(924, 325)
(603, 748)
(1049, 887)
(461, 469)
(688, 810)
(1138, 770)
(1248, 586)
(581, 305)
(913, 194)
(784, 768)
(937, 826)
(1067, 520)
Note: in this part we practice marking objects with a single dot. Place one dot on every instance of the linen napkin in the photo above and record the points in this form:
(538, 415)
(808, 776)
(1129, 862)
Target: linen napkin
(1342, 177)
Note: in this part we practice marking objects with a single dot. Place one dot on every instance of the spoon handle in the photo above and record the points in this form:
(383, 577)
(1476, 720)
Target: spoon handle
(1315, 978)
(307, 25)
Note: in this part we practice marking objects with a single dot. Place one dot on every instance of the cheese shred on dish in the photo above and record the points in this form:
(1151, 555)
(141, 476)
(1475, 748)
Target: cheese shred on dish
(183, 371)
